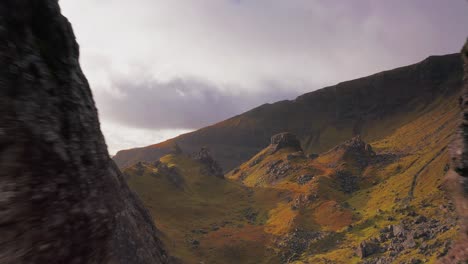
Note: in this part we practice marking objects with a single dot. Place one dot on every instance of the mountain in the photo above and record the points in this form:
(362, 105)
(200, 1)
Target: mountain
(373, 107)
(62, 199)
(353, 173)
(376, 201)
(383, 201)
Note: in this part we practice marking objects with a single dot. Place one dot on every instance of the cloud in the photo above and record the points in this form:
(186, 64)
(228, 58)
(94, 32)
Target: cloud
(120, 137)
(249, 41)
(159, 64)
(180, 103)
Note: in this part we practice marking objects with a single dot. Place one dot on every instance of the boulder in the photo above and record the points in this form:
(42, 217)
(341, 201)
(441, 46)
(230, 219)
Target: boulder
(398, 230)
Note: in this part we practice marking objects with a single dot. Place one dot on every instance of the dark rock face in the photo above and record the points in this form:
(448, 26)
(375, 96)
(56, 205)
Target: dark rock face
(62, 199)
(285, 140)
(459, 177)
(212, 167)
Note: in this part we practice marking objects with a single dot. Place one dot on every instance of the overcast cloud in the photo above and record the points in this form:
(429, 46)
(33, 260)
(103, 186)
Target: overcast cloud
(160, 67)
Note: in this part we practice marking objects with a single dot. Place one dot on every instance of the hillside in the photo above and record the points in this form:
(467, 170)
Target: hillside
(373, 107)
(384, 201)
(204, 218)
(380, 201)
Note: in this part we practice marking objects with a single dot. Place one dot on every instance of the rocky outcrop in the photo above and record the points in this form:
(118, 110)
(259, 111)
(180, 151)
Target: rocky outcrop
(415, 231)
(172, 174)
(211, 166)
(284, 140)
(357, 150)
(367, 248)
(62, 199)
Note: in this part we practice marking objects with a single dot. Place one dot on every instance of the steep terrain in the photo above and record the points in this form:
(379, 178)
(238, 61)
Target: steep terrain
(62, 199)
(357, 194)
(358, 202)
(362, 182)
(458, 177)
(373, 107)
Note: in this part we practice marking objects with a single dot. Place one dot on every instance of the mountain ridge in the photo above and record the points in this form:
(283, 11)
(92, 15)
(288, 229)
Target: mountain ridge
(321, 118)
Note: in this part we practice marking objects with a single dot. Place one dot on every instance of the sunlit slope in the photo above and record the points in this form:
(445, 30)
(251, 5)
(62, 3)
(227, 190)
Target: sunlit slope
(352, 193)
(373, 107)
(283, 206)
(406, 190)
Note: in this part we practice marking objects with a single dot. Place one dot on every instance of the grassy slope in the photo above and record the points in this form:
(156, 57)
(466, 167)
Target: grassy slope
(241, 220)
(207, 209)
(422, 145)
(410, 181)
(245, 219)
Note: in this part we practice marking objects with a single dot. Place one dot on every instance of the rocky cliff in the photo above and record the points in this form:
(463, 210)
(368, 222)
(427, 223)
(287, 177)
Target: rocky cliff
(62, 199)
(459, 177)
(373, 107)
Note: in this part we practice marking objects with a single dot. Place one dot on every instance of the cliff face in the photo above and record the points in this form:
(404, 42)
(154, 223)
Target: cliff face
(62, 200)
(459, 177)
(372, 107)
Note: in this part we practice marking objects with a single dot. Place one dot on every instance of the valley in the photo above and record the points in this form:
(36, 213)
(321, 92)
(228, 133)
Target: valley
(377, 201)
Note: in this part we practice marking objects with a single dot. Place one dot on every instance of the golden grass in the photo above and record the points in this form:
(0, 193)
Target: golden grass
(415, 175)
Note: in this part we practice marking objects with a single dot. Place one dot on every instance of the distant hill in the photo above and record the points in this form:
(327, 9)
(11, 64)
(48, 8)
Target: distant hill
(373, 107)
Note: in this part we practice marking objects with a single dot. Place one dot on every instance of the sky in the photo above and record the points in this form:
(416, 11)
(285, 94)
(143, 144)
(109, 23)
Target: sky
(159, 68)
